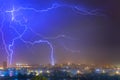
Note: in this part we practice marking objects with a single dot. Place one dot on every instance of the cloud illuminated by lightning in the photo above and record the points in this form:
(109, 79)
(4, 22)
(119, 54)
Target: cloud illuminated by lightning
(12, 13)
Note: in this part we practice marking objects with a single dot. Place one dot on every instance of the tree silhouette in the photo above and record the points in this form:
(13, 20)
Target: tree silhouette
(39, 78)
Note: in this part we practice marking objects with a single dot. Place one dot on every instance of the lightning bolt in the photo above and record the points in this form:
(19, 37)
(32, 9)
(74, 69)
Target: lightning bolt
(12, 13)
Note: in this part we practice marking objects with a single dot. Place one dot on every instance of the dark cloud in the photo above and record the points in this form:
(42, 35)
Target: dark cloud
(98, 37)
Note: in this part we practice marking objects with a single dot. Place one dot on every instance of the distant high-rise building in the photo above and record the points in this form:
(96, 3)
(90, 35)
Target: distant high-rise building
(4, 65)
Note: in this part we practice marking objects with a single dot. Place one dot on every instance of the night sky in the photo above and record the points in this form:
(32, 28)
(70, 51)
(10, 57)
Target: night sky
(88, 38)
